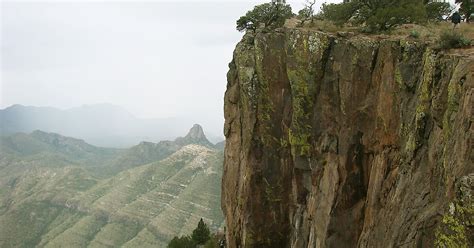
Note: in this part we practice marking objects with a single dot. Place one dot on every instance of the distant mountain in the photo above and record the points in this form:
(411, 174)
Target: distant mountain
(39, 141)
(220, 145)
(40, 145)
(147, 152)
(195, 136)
(57, 191)
(100, 124)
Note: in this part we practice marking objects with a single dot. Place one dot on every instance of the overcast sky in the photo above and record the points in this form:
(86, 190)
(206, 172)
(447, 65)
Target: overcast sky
(154, 58)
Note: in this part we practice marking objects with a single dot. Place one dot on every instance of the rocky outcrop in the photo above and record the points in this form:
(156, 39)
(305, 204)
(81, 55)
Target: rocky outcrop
(348, 142)
(195, 136)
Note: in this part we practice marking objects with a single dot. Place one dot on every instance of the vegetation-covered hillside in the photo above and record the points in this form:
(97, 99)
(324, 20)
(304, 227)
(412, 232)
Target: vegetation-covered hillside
(57, 191)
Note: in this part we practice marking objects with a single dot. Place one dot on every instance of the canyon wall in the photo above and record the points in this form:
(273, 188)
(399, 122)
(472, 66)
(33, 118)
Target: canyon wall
(348, 141)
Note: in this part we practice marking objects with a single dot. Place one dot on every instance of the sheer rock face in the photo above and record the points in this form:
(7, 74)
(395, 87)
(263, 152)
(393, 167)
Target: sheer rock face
(347, 142)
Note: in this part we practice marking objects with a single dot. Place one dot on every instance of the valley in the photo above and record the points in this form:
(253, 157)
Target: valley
(58, 191)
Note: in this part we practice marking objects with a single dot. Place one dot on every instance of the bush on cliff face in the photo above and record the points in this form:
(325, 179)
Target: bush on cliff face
(267, 15)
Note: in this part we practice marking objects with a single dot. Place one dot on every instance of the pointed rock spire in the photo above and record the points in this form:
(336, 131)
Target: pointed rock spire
(196, 133)
(195, 136)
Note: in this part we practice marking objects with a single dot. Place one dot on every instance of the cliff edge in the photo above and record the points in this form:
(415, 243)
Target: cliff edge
(348, 142)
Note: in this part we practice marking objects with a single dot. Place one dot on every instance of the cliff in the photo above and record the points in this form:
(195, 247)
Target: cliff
(348, 142)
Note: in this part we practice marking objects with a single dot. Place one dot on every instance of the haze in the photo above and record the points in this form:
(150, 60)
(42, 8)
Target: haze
(155, 59)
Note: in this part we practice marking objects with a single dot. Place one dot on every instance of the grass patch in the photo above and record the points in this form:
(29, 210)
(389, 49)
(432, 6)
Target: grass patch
(453, 39)
(440, 34)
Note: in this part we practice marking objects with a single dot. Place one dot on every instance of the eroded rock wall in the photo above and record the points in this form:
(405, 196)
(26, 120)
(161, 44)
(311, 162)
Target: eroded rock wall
(347, 142)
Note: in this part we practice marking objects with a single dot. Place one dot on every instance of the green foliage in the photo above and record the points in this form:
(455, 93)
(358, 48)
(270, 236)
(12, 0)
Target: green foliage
(452, 39)
(304, 13)
(436, 11)
(307, 13)
(182, 242)
(339, 13)
(50, 194)
(414, 34)
(383, 15)
(200, 236)
(201, 233)
(267, 15)
(391, 15)
(213, 242)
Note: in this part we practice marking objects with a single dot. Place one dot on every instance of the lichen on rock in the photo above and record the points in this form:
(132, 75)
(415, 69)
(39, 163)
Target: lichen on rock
(347, 142)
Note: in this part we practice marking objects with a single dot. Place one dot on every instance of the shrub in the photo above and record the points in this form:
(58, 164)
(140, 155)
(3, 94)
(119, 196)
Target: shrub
(199, 237)
(339, 13)
(452, 39)
(383, 15)
(213, 242)
(307, 13)
(182, 242)
(391, 15)
(304, 14)
(267, 15)
(414, 34)
(437, 11)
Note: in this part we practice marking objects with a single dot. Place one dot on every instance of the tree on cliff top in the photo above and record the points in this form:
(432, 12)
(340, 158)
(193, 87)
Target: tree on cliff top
(396, 13)
(267, 15)
(307, 13)
(382, 15)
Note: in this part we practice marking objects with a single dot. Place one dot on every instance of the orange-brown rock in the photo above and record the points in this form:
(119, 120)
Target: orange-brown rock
(348, 142)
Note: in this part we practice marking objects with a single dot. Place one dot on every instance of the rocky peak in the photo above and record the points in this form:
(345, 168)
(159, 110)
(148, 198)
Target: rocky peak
(196, 133)
(195, 136)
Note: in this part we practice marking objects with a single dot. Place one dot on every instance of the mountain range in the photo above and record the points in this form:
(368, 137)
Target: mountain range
(99, 124)
(58, 191)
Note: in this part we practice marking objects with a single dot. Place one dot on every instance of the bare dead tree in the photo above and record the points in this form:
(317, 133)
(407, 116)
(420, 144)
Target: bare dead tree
(307, 13)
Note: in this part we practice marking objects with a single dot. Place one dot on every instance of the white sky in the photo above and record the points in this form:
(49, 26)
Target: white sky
(155, 58)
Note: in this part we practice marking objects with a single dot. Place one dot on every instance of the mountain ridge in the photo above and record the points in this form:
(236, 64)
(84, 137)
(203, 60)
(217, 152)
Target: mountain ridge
(103, 125)
(66, 199)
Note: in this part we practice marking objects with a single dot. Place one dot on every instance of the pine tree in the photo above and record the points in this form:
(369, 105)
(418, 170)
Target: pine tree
(182, 242)
(201, 233)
